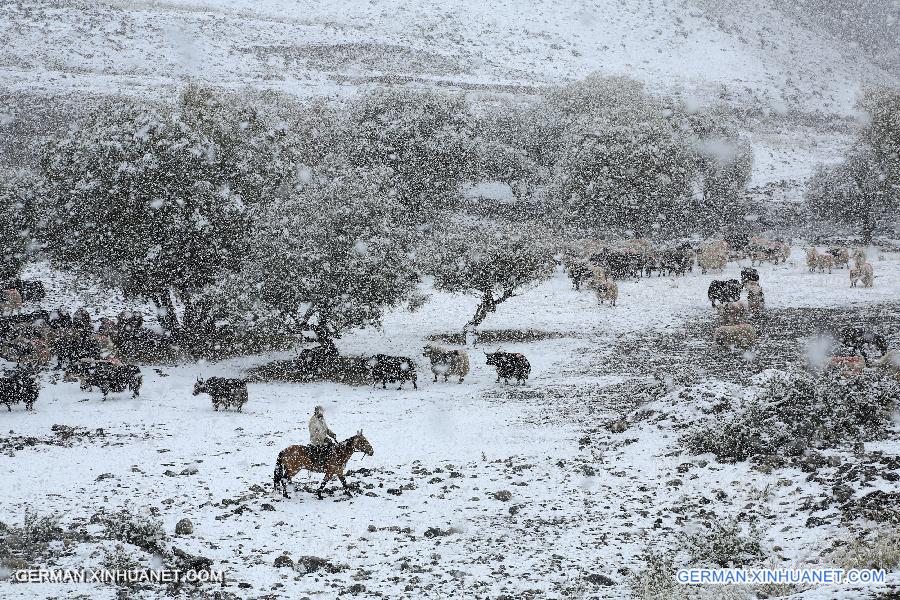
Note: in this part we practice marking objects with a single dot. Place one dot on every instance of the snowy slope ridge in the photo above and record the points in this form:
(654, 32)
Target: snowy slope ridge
(749, 51)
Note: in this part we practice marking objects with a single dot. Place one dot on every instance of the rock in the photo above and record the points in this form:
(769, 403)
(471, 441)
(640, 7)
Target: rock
(437, 532)
(190, 471)
(311, 564)
(514, 509)
(372, 529)
(169, 473)
(618, 426)
(356, 588)
(184, 527)
(684, 467)
(103, 476)
(190, 562)
(284, 561)
(394, 491)
(266, 506)
(598, 579)
(244, 585)
(502, 495)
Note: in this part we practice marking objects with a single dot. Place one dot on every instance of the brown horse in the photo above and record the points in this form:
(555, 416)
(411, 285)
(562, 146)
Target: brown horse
(294, 458)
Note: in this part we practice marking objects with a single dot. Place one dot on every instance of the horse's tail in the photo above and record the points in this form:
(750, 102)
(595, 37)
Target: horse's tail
(279, 473)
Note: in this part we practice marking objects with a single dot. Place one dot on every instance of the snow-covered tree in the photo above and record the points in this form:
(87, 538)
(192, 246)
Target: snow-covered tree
(159, 198)
(333, 253)
(491, 263)
(852, 193)
(423, 139)
(723, 164)
(19, 191)
(864, 189)
(517, 144)
(625, 162)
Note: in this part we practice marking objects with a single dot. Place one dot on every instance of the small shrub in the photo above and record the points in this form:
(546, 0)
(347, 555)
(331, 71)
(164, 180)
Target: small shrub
(31, 540)
(348, 370)
(145, 532)
(880, 550)
(724, 544)
(118, 559)
(490, 337)
(656, 581)
(795, 412)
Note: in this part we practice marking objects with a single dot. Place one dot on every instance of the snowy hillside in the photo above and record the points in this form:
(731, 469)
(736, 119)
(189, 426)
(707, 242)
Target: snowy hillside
(748, 52)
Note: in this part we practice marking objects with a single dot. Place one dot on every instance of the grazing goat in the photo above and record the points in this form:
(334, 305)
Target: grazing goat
(841, 256)
(447, 362)
(733, 313)
(606, 290)
(737, 336)
(755, 298)
(224, 392)
(760, 250)
(712, 257)
(814, 261)
(862, 272)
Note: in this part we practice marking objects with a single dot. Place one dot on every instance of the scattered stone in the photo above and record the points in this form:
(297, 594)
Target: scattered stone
(437, 532)
(311, 564)
(618, 426)
(184, 527)
(598, 579)
(284, 561)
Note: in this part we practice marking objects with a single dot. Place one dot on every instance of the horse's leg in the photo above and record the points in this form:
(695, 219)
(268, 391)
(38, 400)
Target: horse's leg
(344, 483)
(325, 481)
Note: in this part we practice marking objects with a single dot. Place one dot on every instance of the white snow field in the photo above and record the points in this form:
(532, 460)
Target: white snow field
(479, 489)
(749, 50)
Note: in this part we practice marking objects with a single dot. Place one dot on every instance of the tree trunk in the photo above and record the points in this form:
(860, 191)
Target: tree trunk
(166, 315)
(324, 336)
(868, 228)
(487, 306)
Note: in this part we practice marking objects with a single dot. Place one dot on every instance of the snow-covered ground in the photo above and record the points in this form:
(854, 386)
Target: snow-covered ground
(476, 489)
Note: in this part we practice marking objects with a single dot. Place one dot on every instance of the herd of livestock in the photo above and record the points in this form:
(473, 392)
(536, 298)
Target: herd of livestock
(88, 353)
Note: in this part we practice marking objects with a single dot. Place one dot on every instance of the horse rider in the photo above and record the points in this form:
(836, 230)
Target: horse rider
(321, 437)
